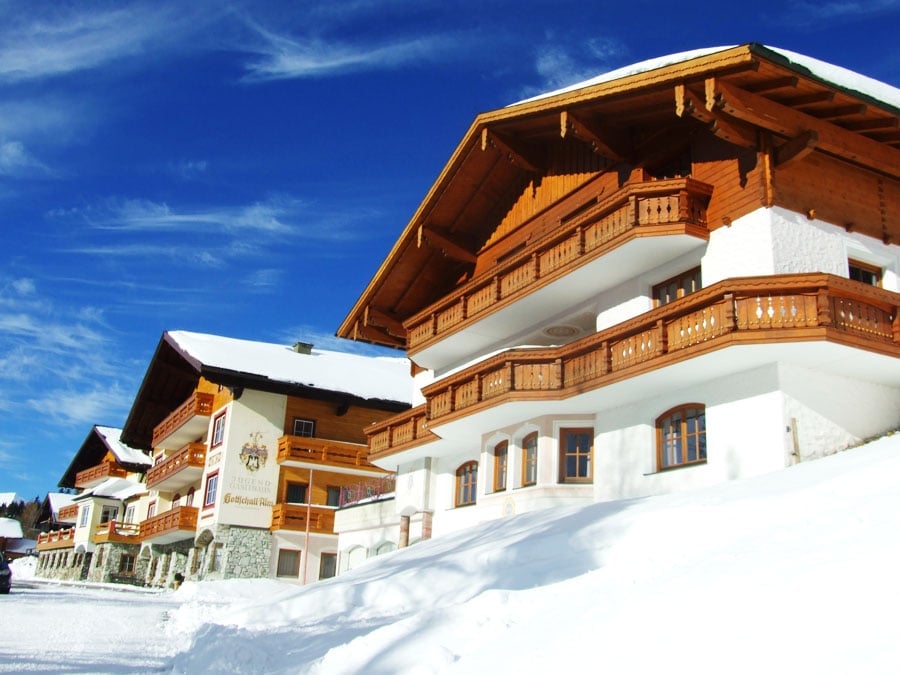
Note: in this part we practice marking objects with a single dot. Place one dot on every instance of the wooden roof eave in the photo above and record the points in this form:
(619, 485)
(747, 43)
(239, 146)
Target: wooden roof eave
(696, 71)
(735, 58)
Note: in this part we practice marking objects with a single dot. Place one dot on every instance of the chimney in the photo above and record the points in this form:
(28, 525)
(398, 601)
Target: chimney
(303, 347)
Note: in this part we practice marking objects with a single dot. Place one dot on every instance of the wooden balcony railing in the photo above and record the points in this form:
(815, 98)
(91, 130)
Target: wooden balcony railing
(293, 517)
(373, 488)
(199, 403)
(638, 209)
(97, 474)
(120, 533)
(193, 455)
(68, 514)
(756, 310)
(323, 451)
(403, 431)
(178, 519)
(48, 541)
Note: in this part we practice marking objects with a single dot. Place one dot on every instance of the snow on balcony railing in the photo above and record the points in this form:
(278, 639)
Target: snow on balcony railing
(372, 489)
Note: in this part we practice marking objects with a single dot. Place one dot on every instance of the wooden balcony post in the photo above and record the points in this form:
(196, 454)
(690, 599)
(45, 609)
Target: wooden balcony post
(662, 337)
(730, 313)
(823, 308)
(895, 324)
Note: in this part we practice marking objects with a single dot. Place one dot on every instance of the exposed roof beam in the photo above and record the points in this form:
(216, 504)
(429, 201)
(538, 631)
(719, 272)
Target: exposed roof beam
(839, 111)
(873, 124)
(447, 246)
(796, 148)
(600, 142)
(376, 335)
(516, 153)
(776, 83)
(809, 99)
(788, 122)
(378, 318)
(689, 103)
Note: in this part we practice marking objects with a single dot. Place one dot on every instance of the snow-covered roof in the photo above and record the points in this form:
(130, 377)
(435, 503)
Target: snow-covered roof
(9, 498)
(113, 488)
(124, 454)
(59, 500)
(10, 528)
(835, 75)
(368, 377)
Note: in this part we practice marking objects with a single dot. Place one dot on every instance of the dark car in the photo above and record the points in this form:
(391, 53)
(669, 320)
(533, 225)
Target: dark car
(5, 576)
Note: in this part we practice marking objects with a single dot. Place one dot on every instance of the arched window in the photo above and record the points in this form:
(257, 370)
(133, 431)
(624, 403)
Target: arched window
(681, 436)
(466, 483)
(529, 459)
(501, 457)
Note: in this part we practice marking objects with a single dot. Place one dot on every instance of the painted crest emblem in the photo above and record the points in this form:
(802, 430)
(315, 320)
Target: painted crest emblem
(254, 454)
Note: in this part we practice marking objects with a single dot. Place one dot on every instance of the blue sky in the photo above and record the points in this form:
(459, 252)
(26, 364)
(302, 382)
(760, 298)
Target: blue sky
(242, 168)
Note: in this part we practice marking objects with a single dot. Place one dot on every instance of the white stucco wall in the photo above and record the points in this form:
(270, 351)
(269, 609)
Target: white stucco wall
(244, 496)
(831, 413)
(310, 558)
(778, 241)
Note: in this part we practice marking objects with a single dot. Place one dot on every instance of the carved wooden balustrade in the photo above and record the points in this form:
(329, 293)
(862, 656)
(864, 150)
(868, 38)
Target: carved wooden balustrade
(638, 209)
(68, 514)
(177, 519)
(192, 455)
(753, 310)
(323, 451)
(294, 517)
(120, 533)
(97, 474)
(199, 403)
(48, 541)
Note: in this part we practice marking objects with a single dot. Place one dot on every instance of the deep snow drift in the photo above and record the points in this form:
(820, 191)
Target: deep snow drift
(792, 572)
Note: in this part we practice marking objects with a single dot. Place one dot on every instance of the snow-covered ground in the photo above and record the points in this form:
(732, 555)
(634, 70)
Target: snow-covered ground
(794, 572)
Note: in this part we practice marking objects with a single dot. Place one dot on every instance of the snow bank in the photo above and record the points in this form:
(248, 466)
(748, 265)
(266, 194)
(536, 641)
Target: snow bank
(790, 572)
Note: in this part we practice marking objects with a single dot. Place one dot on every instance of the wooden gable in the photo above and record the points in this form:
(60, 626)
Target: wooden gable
(759, 128)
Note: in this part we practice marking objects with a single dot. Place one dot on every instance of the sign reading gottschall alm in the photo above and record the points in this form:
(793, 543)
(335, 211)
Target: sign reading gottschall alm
(249, 484)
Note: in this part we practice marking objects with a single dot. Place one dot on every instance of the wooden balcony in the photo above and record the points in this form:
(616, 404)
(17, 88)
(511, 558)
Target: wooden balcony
(119, 533)
(178, 470)
(49, 541)
(372, 489)
(294, 517)
(638, 210)
(754, 310)
(187, 423)
(68, 514)
(304, 451)
(97, 474)
(174, 525)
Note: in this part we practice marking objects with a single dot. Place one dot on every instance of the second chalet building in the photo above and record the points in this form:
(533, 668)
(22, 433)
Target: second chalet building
(254, 447)
(679, 273)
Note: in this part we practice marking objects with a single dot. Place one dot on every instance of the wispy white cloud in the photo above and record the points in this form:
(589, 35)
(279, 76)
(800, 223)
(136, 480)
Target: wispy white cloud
(93, 405)
(281, 56)
(189, 169)
(560, 63)
(17, 161)
(60, 39)
(848, 9)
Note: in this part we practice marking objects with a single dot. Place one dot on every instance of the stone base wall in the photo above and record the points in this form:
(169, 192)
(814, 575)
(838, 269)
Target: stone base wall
(237, 553)
(63, 564)
(165, 561)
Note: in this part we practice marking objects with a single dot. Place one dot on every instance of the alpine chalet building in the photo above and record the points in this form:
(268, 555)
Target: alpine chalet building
(678, 273)
(254, 446)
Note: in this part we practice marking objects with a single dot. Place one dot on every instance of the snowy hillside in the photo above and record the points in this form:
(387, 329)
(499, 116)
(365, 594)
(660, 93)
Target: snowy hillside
(793, 572)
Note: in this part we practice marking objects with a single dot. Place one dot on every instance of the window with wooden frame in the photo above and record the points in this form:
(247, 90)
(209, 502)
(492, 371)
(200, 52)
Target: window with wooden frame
(501, 462)
(327, 565)
(681, 436)
(85, 515)
(576, 450)
(676, 287)
(466, 483)
(288, 563)
(295, 493)
(864, 272)
(529, 459)
(126, 564)
(333, 495)
(218, 435)
(304, 427)
(209, 495)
